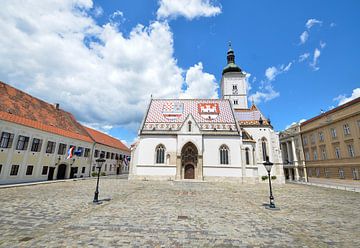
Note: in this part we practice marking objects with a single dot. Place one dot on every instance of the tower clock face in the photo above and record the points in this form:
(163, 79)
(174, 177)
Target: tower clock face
(235, 91)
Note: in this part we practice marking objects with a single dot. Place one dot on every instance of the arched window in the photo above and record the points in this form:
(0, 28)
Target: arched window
(224, 155)
(264, 148)
(160, 154)
(247, 156)
(189, 126)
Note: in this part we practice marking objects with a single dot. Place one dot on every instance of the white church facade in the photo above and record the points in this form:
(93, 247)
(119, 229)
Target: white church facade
(207, 139)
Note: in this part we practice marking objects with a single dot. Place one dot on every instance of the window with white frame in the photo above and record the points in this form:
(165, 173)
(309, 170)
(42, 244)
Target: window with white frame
(264, 148)
(36, 145)
(350, 148)
(315, 154)
(29, 170)
(22, 143)
(321, 136)
(14, 170)
(189, 126)
(346, 129)
(224, 154)
(307, 155)
(50, 148)
(327, 172)
(247, 156)
(355, 173)
(312, 138)
(6, 140)
(337, 152)
(341, 173)
(317, 171)
(323, 152)
(333, 133)
(160, 154)
(305, 141)
(236, 102)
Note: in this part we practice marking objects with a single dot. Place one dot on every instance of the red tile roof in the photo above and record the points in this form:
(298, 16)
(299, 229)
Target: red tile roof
(21, 108)
(105, 139)
(250, 117)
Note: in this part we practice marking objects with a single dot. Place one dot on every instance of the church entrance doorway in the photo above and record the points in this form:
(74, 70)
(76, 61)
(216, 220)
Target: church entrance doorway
(189, 159)
(61, 171)
(189, 172)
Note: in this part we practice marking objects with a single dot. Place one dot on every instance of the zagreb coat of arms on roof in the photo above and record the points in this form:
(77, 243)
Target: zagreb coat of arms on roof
(209, 110)
(172, 110)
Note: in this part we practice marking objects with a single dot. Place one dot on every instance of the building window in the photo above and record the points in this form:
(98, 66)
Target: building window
(312, 138)
(0, 168)
(50, 148)
(87, 153)
(351, 150)
(93, 168)
(337, 152)
(22, 143)
(160, 154)
(236, 102)
(264, 148)
(346, 129)
(305, 141)
(247, 156)
(14, 170)
(321, 137)
(96, 153)
(189, 126)
(315, 154)
(317, 171)
(310, 172)
(83, 170)
(110, 167)
(107, 155)
(327, 172)
(29, 170)
(234, 87)
(112, 155)
(80, 151)
(62, 149)
(44, 170)
(323, 153)
(6, 140)
(333, 133)
(341, 173)
(224, 155)
(307, 155)
(102, 154)
(105, 167)
(36, 145)
(355, 173)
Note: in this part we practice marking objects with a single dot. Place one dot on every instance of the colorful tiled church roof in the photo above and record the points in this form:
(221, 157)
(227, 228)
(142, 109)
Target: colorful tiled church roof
(209, 114)
(105, 139)
(251, 117)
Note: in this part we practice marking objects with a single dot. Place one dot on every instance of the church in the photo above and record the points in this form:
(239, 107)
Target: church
(207, 139)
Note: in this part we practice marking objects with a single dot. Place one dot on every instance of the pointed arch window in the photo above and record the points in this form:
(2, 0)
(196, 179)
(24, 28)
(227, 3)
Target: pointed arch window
(247, 156)
(264, 148)
(189, 126)
(224, 154)
(160, 154)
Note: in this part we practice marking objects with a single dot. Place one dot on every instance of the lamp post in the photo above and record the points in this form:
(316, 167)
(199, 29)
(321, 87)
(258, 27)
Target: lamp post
(268, 165)
(99, 163)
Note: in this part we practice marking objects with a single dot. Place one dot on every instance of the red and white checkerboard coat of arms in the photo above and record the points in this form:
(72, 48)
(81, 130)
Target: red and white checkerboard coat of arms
(172, 110)
(209, 110)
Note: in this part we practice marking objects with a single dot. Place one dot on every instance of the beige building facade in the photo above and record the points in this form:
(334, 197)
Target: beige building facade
(331, 143)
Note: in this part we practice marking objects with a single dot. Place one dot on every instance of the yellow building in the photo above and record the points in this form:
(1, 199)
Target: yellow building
(35, 137)
(331, 143)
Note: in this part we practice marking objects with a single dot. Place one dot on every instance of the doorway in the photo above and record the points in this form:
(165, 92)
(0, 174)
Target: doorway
(189, 172)
(189, 159)
(51, 173)
(61, 171)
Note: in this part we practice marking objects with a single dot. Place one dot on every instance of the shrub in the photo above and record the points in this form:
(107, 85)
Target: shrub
(94, 174)
(264, 178)
(103, 174)
(273, 177)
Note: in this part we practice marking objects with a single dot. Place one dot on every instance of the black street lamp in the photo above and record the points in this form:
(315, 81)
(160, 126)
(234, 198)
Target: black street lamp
(99, 163)
(268, 165)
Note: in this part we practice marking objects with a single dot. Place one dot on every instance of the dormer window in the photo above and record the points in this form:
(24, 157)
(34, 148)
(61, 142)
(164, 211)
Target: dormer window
(189, 126)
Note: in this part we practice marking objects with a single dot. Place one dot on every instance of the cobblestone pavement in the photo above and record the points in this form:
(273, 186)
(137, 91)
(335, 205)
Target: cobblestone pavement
(176, 214)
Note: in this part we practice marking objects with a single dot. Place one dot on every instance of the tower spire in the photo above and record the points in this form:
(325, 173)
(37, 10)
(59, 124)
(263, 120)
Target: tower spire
(231, 66)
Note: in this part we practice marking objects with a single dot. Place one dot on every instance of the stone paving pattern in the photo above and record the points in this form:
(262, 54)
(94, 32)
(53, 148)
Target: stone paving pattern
(177, 214)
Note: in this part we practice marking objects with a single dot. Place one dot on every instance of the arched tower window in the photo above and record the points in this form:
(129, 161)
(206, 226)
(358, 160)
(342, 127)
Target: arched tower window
(264, 148)
(189, 126)
(160, 154)
(224, 154)
(247, 156)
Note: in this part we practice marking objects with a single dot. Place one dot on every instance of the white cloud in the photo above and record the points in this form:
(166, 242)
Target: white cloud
(304, 37)
(322, 44)
(268, 93)
(190, 9)
(314, 63)
(57, 52)
(273, 71)
(312, 22)
(342, 99)
(303, 57)
(199, 84)
(98, 11)
(294, 123)
(333, 24)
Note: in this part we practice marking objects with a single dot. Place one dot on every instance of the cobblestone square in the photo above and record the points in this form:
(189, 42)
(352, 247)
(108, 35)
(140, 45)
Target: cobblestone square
(177, 214)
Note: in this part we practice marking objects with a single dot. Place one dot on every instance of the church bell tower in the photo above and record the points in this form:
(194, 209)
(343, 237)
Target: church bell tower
(233, 83)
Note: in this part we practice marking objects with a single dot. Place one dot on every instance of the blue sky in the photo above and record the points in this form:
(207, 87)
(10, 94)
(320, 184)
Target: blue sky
(190, 43)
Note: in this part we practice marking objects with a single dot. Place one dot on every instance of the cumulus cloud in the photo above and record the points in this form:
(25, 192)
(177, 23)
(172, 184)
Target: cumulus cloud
(294, 123)
(314, 63)
(304, 37)
(266, 94)
(322, 44)
(190, 9)
(57, 52)
(272, 72)
(311, 22)
(342, 99)
(199, 84)
(304, 56)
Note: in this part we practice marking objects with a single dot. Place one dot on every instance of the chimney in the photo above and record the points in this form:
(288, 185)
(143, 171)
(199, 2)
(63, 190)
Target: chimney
(56, 105)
